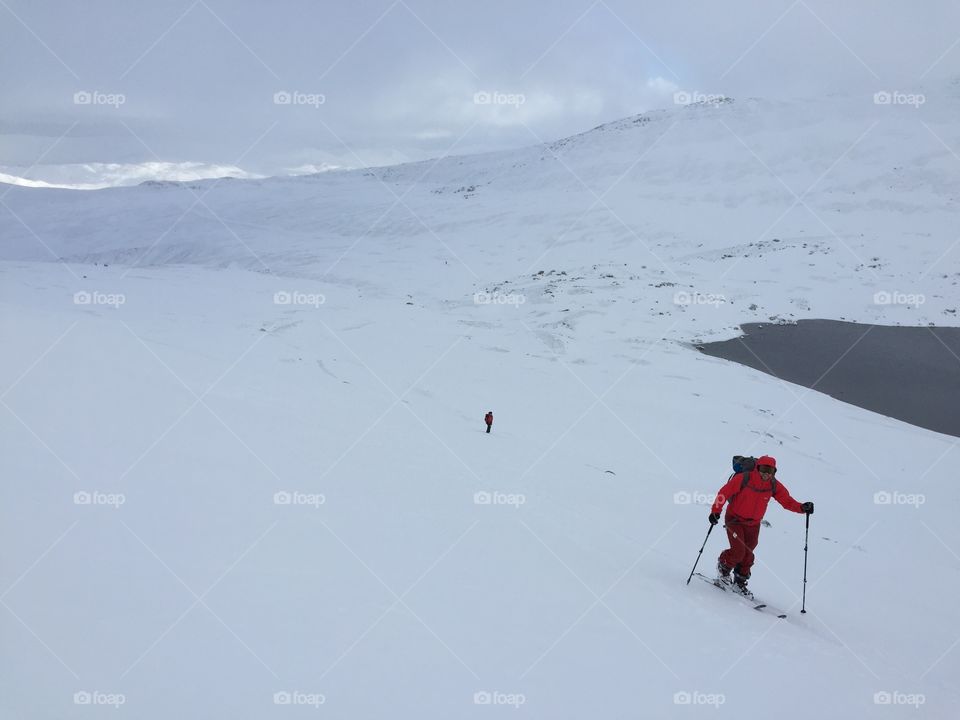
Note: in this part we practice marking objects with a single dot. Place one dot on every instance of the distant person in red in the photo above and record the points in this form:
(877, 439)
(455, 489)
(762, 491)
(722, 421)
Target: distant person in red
(488, 419)
(746, 508)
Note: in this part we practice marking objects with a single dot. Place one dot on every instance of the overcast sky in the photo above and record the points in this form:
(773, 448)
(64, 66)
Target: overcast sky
(384, 81)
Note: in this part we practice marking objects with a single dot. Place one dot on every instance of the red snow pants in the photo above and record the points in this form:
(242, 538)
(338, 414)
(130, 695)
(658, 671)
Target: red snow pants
(743, 539)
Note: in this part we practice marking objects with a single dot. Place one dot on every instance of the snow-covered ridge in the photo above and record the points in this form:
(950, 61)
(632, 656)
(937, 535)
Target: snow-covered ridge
(98, 176)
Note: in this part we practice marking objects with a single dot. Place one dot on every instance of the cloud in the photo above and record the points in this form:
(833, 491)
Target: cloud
(314, 168)
(399, 86)
(662, 86)
(433, 134)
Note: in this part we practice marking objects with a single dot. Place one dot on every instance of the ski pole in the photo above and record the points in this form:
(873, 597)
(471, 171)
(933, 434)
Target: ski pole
(806, 539)
(709, 530)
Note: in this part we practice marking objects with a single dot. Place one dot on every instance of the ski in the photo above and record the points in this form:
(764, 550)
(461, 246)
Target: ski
(754, 603)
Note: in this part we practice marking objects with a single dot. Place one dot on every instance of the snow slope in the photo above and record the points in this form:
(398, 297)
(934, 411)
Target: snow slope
(337, 338)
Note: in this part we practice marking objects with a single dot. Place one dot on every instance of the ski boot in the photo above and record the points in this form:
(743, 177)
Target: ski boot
(740, 585)
(724, 578)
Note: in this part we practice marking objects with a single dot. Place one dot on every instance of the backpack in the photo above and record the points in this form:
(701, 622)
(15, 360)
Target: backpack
(744, 464)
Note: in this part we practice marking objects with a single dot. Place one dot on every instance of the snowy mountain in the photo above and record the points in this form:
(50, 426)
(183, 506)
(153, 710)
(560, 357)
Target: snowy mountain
(96, 176)
(245, 461)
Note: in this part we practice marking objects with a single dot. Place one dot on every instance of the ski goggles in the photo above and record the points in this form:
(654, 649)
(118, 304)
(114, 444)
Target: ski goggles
(766, 469)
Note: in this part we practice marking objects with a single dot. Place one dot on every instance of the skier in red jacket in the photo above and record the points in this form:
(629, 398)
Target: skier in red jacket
(488, 419)
(746, 508)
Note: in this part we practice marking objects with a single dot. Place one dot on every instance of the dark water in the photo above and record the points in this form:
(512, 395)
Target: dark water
(909, 373)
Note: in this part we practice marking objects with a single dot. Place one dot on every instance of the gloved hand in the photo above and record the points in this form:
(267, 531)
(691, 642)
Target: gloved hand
(715, 518)
(807, 508)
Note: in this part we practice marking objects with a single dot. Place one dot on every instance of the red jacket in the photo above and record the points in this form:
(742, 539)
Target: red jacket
(748, 506)
(488, 418)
